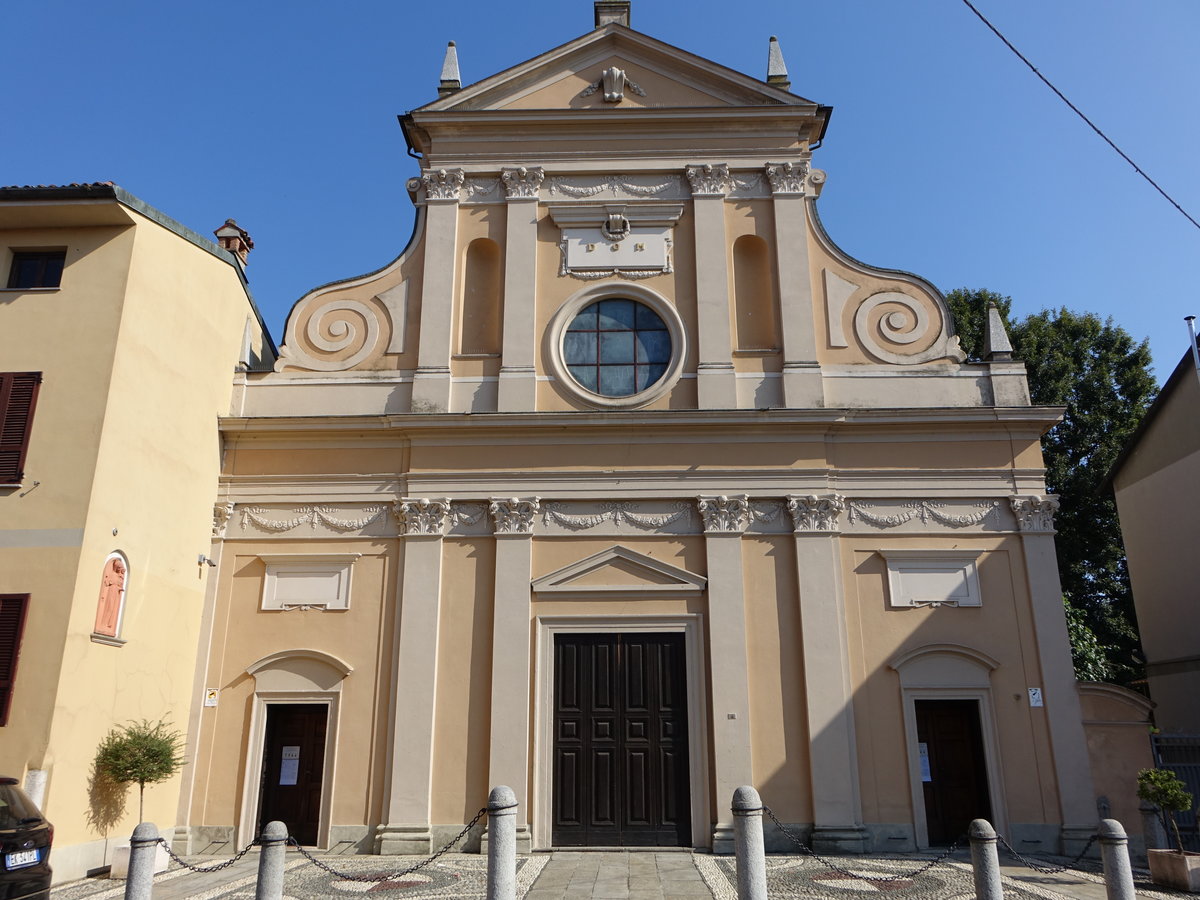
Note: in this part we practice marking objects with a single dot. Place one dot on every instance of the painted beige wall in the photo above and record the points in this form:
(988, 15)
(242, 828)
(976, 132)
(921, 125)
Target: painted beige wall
(70, 336)
(243, 633)
(121, 383)
(1118, 727)
(1000, 629)
(1160, 521)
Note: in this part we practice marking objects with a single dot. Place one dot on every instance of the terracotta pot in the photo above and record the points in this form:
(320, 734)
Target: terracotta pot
(1177, 870)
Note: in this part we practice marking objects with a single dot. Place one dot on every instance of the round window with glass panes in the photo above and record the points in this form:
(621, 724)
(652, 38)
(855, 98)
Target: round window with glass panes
(617, 347)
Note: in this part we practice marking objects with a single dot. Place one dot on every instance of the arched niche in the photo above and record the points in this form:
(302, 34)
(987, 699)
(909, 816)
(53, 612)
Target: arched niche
(756, 318)
(481, 319)
(110, 605)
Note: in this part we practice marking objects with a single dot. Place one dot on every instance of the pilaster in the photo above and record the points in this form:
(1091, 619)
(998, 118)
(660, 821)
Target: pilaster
(715, 381)
(512, 664)
(431, 381)
(802, 388)
(1062, 710)
(410, 773)
(725, 520)
(829, 697)
(517, 390)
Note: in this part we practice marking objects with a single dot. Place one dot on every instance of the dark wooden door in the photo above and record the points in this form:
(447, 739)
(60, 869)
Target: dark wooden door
(620, 741)
(293, 766)
(955, 776)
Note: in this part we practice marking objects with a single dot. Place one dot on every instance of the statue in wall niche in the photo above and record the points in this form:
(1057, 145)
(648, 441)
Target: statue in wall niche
(112, 587)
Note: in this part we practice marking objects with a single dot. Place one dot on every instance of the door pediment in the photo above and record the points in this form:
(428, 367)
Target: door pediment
(617, 571)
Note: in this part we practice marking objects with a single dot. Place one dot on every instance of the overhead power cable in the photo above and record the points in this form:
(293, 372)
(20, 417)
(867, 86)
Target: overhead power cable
(1075, 109)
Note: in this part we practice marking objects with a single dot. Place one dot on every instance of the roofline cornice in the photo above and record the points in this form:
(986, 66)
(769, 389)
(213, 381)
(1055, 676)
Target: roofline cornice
(1026, 418)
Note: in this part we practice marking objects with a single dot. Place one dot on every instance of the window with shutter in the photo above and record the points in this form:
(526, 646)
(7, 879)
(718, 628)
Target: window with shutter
(18, 395)
(12, 623)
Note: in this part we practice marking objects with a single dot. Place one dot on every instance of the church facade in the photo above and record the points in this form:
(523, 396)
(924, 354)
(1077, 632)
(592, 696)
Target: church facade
(623, 485)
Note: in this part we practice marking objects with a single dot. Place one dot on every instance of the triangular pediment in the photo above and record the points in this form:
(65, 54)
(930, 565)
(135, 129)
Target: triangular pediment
(619, 570)
(660, 75)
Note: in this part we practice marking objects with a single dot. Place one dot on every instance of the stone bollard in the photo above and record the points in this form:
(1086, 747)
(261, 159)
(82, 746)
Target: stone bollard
(985, 862)
(274, 842)
(1114, 850)
(502, 844)
(139, 880)
(749, 851)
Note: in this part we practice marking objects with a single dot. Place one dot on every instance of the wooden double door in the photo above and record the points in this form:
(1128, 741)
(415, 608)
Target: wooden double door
(620, 741)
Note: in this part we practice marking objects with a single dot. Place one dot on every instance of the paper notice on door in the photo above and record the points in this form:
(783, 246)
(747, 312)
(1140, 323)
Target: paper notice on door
(926, 775)
(289, 768)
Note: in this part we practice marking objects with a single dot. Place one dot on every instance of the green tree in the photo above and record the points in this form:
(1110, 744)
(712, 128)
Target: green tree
(1166, 790)
(1103, 377)
(144, 752)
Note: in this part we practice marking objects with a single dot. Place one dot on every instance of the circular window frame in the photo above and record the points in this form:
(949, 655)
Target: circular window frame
(622, 290)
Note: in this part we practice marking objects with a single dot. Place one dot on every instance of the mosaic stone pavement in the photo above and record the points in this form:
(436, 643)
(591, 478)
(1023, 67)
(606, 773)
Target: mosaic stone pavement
(454, 875)
(802, 877)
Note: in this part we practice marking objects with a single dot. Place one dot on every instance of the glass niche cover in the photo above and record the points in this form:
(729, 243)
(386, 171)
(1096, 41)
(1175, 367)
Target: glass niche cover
(617, 347)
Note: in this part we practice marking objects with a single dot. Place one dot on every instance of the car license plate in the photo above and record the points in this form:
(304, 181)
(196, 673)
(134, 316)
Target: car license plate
(21, 858)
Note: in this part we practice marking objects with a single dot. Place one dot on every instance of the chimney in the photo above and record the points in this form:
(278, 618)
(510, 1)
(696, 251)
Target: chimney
(233, 237)
(609, 11)
(777, 73)
(451, 79)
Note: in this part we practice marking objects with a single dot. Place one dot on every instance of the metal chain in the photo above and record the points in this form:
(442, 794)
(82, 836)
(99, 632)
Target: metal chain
(217, 867)
(387, 876)
(1051, 869)
(904, 876)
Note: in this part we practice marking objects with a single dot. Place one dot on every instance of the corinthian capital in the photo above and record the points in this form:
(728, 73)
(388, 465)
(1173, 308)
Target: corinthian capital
(709, 179)
(522, 183)
(419, 516)
(787, 178)
(514, 515)
(813, 513)
(443, 184)
(724, 515)
(1035, 514)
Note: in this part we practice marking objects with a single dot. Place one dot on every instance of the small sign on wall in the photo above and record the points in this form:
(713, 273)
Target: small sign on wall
(289, 768)
(210, 697)
(1035, 697)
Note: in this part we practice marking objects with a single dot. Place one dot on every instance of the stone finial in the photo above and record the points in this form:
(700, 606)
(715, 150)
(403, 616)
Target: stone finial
(777, 73)
(451, 80)
(996, 345)
(233, 237)
(609, 11)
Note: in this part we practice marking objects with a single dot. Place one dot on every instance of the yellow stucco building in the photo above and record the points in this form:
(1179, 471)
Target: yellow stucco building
(621, 485)
(110, 458)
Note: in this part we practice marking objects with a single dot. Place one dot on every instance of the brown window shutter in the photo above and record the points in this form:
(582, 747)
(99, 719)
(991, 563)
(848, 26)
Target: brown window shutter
(12, 623)
(18, 396)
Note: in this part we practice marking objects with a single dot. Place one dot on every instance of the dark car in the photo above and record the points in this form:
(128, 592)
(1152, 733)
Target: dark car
(25, 838)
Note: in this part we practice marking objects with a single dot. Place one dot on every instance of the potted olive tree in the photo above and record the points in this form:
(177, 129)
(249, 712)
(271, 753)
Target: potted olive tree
(144, 753)
(1176, 868)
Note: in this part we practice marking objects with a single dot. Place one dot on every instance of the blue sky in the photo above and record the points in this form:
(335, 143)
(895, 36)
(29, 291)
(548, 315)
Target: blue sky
(946, 156)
